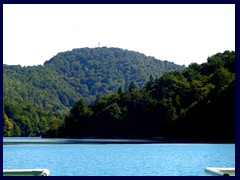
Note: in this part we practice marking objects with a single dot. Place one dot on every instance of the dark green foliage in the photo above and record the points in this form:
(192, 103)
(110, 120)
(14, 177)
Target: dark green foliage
(25, 120)
(120, 90)
(80, 73)
(79, 114)
(197, 103)
(132, 87)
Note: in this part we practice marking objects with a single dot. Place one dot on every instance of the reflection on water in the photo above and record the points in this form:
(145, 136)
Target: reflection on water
(39, 140)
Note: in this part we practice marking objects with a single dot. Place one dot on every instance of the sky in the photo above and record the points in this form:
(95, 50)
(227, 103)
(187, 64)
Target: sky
(180, 33)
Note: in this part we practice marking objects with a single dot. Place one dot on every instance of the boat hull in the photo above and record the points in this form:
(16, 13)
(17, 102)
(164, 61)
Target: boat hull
(26, 172)
(214, 171)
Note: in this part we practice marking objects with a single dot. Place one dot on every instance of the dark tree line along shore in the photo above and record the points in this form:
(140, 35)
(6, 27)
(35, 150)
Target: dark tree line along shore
(196, 102)
(36, 98)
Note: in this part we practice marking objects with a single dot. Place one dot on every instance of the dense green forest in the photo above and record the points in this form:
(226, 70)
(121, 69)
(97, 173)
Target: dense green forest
(25, 120)
(197, 102)
(80, 73)
(36, 98)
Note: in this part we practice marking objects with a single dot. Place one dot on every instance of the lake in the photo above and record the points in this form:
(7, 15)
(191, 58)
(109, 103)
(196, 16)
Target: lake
(64, 157)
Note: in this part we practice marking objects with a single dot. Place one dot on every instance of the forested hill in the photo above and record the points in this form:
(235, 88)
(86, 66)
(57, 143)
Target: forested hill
(80, 73)
(197, 103)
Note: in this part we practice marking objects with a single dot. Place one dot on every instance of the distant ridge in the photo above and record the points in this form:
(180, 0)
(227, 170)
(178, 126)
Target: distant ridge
(80, 73)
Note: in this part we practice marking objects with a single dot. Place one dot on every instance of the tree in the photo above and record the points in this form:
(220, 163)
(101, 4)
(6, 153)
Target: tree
(8, 126)
(78, 116)
(222, 78)
(149, 85)
(132, 87)
(120, 90)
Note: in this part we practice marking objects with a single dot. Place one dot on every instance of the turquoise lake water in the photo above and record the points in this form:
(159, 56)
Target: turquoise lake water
(93, 159)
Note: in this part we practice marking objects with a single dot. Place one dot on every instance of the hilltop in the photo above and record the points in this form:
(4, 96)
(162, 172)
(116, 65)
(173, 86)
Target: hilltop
(80, 73)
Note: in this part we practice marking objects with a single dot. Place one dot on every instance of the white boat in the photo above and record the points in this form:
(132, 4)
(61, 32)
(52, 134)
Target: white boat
(26, 172)
(216, 171)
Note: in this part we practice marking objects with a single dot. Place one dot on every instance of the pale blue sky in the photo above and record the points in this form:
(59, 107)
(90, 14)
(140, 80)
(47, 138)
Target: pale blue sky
(179, 33)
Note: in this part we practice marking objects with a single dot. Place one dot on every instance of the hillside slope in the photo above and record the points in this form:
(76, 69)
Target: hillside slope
(80, 73)
(196, 104)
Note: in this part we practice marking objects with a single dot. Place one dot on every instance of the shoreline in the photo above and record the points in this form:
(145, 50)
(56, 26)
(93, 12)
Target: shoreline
(94, 140)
